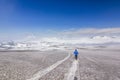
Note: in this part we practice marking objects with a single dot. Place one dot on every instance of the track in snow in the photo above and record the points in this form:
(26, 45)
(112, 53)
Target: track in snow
(72, 71)
(41, 73)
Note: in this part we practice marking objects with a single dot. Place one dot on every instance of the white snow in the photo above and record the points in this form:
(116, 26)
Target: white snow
(72, 71)
(41, 73)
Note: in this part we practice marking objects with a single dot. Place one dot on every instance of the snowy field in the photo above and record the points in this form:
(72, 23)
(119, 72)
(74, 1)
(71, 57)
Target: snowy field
(99, 64)
(92, 64)
(20, 65)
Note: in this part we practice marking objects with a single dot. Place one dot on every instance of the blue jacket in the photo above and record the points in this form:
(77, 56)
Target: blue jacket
(75, 52)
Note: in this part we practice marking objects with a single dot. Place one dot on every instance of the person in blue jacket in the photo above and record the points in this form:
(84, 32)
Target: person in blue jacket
(76, 54)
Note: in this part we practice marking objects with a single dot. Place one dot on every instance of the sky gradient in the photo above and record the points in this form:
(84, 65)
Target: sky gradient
(40, 17)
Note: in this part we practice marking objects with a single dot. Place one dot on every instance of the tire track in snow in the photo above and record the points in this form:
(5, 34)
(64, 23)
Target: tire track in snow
(43, 72)
(95, 62)
(71, 74)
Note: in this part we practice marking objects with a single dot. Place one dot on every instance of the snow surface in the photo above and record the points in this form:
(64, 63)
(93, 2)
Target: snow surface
(72, 71)
(41, 73)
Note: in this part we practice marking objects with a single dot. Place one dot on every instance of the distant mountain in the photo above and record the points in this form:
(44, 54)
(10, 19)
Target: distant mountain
(30, 45)
(57, 43)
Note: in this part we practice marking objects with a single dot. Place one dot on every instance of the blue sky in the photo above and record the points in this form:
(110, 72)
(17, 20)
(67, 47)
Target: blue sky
(40, 17)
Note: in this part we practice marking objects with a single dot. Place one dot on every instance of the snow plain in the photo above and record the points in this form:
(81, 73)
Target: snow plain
(21, 65)
(99, 59)
(92, 64)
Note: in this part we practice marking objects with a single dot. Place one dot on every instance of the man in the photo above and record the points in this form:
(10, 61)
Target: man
(76, 54)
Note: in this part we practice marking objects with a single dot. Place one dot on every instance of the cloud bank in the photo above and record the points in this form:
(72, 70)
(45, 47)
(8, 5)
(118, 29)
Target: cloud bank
(99, 37)
(86, 36)
(93, 31)
(79, 36)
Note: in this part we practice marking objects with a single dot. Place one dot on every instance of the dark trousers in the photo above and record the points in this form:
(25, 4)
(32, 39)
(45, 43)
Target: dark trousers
(76, 57)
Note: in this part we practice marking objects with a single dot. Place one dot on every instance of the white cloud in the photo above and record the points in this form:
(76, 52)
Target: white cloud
(92, 32)
(80, 36)
(90, 36)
